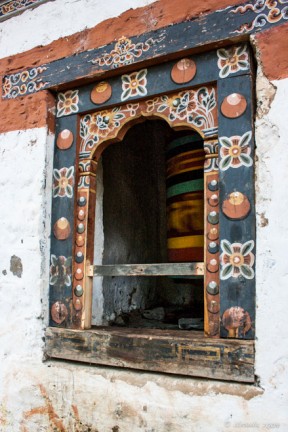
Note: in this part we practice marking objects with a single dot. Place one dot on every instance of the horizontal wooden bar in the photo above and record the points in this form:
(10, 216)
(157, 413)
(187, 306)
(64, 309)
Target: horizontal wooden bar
(166, 269)
(169, 351)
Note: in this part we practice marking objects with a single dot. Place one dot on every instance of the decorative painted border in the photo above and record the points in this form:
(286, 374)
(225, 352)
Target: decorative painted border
(125, 52)
(197, 108)
(230, 218)
(267, 12)
(13, 7)
(150, 82)
(22, 83)
(236, 213)
(223, 25)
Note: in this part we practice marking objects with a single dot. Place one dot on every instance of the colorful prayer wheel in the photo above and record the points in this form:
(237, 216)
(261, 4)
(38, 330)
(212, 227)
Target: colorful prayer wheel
(185, 199)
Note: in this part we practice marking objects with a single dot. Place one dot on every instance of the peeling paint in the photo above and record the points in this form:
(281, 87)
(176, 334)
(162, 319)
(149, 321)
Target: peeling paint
(266, 93)
(264, 88)
(264, 221)
(56, 424)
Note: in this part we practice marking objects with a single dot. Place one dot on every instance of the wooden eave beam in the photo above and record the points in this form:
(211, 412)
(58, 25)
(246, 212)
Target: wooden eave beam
(216, 29)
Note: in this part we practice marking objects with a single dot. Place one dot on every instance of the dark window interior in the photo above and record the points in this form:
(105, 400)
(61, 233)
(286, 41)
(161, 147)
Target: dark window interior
(138, 220)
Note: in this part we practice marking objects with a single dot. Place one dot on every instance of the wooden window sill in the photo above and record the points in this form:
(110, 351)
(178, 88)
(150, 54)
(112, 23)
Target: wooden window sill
(169, 351)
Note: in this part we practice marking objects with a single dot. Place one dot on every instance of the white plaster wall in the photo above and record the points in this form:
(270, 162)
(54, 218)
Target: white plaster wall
(272, 236)
(66, 397)
(56, 19)
(24, 233)
(59, 396)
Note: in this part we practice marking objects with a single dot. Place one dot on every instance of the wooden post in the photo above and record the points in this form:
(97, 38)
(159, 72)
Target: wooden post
(211, 240)
(237, 214)
(84, 245)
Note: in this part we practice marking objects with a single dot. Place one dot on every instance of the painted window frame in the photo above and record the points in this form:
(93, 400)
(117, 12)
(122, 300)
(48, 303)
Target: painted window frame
(230, 71)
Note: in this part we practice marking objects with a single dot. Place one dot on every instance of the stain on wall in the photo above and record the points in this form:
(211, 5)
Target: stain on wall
(46, 411)
(16, 266)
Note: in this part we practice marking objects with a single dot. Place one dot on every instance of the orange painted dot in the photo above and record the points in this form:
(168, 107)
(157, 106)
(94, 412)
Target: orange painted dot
(236, 206)
(61, 229)
(213, 234)
(77, 304)
(236, 320)
(81, 214)
(65, 139)
(183, 71)
(59, 312)
(212, 266)
(213, 306)
(79, 274)
(213, 200)
(101, 93)
(234, 105)
(80, 240)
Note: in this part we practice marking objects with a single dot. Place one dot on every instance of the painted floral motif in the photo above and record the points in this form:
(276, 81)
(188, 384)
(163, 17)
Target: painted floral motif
(235, 151)
(15, 5)
(24, 82)
(60, 270)
(94, 128)
(67, 103)
(232, 60)
(211, 162)
(63, 182)
(194, 106)
(268, 11)
(237, 260)
(134, 84)
(125, 52)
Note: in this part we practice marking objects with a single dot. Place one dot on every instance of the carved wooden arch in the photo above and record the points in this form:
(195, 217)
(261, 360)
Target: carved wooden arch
(181, 110)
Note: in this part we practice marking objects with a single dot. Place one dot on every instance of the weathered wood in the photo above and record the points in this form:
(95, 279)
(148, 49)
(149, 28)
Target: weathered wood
(176, 352)
(159, 81)
(237, 227)
(166, 269)
(87, 312)
(62, 210)
(211, 252)
(84, 247)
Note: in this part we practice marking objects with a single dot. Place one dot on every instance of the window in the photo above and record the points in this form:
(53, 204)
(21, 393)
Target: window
(153, 216)
(199, 104)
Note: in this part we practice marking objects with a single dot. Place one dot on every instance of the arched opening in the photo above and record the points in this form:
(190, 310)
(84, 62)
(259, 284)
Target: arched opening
(146, 213)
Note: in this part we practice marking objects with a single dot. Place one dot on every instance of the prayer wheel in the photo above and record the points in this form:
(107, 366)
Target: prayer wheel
(185, 199)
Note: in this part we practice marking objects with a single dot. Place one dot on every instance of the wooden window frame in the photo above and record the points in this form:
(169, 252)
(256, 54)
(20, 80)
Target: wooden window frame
(228, 352)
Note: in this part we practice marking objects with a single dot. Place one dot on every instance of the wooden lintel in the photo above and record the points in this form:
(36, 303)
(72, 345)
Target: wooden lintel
(177, 352)
(166, 269)
(218, 28)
